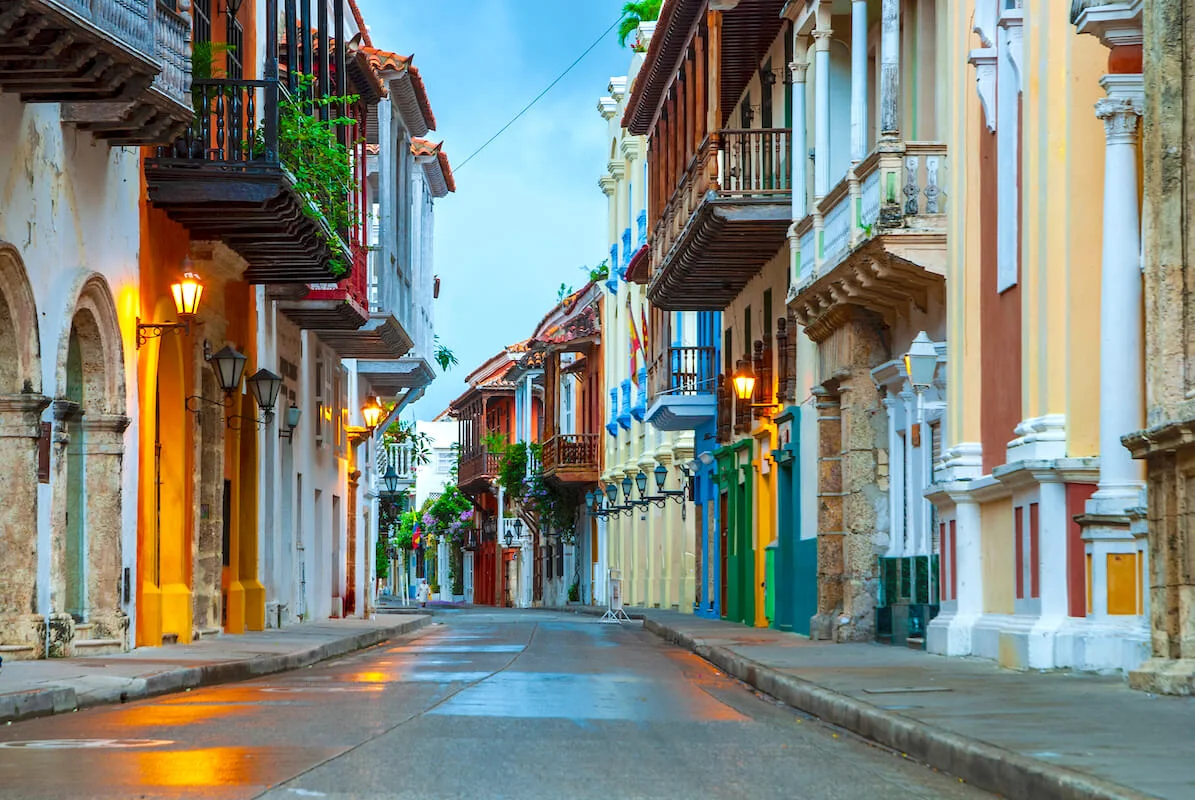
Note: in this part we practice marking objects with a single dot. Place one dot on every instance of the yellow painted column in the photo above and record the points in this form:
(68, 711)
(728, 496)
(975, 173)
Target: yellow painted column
(765, 514)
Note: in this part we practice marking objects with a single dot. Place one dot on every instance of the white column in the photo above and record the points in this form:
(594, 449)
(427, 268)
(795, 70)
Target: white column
(1121, 367)
(821, 114)
(799, 67)
(890, 68)
(858, 80)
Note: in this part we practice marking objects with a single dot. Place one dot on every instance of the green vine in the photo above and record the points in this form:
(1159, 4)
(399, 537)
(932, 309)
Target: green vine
(320, 165)
(512, 468)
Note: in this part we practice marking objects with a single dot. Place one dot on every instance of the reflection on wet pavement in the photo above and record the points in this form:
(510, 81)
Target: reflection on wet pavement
(422, 718)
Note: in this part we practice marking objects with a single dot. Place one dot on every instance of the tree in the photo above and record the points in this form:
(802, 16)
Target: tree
(635, 12)
(444, 357)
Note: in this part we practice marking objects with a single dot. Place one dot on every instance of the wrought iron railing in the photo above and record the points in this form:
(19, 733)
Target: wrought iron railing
(235, 124)
(571, 450)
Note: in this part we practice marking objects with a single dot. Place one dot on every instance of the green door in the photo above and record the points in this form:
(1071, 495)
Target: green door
(736, 483)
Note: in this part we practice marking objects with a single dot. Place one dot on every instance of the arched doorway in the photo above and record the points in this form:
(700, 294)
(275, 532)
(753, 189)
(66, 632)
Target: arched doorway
(23, 459)
(86, 575)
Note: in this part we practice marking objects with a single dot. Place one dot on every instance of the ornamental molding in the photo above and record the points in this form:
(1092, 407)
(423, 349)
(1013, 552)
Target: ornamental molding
(985, 62)
(986, 14)
(798, 69)
(617, 88)
(1012, 22)
(618, 169)
(607, 107)
(631, 148)
(1120, 119)
(607, 185)
(1116, 24)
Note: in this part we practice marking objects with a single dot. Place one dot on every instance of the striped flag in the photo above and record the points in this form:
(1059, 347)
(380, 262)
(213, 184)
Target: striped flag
(636, 345)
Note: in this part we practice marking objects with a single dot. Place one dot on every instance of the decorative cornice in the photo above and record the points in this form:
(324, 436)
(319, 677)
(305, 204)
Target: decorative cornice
(617, 87)
(631, 148)
(1116, 24)
(798, 69)
(1165, 439)
(618, 169)
(607, 185)
(607, 107)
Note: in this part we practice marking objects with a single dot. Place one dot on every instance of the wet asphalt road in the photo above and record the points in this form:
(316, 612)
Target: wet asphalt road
(484, 704)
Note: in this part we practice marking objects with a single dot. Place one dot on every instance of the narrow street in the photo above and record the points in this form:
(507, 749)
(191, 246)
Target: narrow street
(484, 704)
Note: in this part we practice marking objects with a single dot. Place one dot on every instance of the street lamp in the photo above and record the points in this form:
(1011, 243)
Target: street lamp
(230, 366)
(744, 380)
(187, 293)
(921, 362)
(265, 386)
(518, 523)
(372, 412)
(292, 422)
(510, 539)
(390, 479)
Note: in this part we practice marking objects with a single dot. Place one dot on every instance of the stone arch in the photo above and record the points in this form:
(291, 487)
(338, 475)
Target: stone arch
(20, 351)
(21, 406)
(86, 563)
(94, 327)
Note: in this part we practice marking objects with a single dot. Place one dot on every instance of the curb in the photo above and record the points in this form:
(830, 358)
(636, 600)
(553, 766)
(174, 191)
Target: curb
(979, 763)
(18, 706)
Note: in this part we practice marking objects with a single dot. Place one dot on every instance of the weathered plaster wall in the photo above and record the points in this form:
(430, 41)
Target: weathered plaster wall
(70, 209)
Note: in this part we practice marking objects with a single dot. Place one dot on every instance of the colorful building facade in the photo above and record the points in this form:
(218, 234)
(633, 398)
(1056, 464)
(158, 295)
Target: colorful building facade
(1043, 552)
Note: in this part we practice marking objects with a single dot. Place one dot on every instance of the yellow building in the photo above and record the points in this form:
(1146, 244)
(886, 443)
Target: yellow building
(1043, 553)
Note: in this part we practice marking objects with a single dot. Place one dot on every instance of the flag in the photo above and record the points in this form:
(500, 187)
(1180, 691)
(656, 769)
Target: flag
(636, 346)
(643, 318)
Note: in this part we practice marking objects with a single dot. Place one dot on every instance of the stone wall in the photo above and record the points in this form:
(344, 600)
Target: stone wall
(1168, 442)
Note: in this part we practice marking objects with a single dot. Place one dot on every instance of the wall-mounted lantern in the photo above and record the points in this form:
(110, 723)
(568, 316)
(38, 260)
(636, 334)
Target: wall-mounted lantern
(187, 292)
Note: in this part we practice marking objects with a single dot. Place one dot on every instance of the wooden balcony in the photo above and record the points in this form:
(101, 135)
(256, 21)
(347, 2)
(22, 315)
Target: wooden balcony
(572, 458)
(477, 468)
(161, 113)
(877, 241)
(119, 67)
(61, 51)
(725, 220)
(341, 306)
(223, 179)
(681, 382)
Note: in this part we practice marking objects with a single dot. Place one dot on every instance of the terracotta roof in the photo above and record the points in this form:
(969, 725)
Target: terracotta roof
(440, 172)
(384, 59)
(360, 23)
(421, 92)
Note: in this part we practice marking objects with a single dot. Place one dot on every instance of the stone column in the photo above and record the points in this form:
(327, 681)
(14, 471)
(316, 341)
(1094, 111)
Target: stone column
(103, 442)
(890, 69)
(1121, 312)
(20, 432)
(821, 117)
(829, 515)
(858, 80)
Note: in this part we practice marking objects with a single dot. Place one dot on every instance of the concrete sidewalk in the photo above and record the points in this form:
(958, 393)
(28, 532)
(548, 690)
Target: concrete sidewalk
(54, 686)
(1022, 735)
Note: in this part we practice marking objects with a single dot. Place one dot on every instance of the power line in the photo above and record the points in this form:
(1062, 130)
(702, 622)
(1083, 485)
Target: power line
(527, 107)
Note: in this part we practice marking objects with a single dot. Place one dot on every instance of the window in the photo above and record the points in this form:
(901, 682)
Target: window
(202, 15)
(445, 460)
(320, 401)
(236, 46)
(568, 415)
(342, 406)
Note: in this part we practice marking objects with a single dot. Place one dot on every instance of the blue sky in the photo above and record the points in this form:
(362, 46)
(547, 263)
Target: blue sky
(527, 213)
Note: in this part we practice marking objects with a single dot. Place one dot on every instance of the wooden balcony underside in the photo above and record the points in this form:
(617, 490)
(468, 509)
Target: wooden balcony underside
(253, 209)
(380, 339)
(325, 314)
(723, 246)
(50, 55)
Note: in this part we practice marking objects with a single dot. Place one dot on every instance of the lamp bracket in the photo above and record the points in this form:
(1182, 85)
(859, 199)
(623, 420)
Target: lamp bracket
(199, 400)
(153, 330)
(236, 421)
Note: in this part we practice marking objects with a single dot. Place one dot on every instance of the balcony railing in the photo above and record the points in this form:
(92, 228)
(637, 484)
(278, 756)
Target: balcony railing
(683, 371)
(571, 450)
(476, 464)
(172, 46)
(235, 124)
(127, 20)
(896, 188)
(739, 182)
(402, 456)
